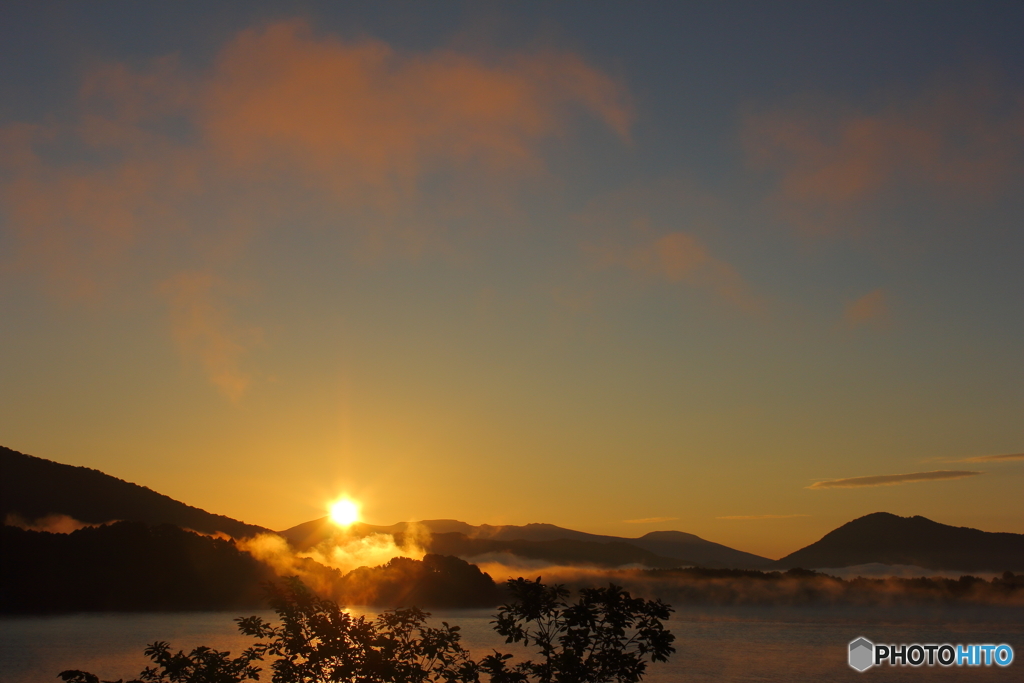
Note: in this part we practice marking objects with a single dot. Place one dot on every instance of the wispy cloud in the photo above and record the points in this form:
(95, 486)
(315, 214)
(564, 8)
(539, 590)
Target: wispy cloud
(959, 141)
(650, 520)
(743, 517)
(871, 309)
(680, 257)
(204, 330)
(1009, 457)
(892, 479)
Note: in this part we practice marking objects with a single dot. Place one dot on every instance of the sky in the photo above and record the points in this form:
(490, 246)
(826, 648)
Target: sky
(745, 270)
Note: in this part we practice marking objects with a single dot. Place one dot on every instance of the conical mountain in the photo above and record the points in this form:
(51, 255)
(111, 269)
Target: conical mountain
(885, 538)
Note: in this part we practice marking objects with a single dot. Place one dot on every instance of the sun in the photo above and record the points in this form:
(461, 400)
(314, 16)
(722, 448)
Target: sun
(345, 512)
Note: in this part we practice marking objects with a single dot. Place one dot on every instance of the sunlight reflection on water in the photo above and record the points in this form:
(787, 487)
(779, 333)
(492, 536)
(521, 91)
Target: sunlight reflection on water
(713, 643)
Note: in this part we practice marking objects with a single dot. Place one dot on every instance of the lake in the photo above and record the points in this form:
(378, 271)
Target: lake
(712, 643)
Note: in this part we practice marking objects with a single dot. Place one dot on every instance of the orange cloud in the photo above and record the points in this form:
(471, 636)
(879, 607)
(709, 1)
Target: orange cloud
(681, 257)
(361, 117)
(961, 141)
(74, 223)
(161, 169)
(202, 328)
(870, 309)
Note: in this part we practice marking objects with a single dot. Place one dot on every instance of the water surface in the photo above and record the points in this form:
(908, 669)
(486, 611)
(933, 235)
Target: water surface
(730, 644)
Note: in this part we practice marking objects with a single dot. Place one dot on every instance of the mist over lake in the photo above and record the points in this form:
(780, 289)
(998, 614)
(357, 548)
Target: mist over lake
(729, 644)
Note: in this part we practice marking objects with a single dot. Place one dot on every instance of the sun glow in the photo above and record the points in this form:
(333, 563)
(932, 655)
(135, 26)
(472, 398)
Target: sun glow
(345, 512)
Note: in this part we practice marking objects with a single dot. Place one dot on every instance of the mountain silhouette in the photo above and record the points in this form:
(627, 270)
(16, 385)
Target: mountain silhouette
(678, 544)
(542, 542)
(32, 488)
(885, 538)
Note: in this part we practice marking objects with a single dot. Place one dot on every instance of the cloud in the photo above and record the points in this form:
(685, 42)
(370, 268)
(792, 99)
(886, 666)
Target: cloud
(871, 309)
(340, 553)
(159, 170)
(892, 479)
(650, 520)
(367, 122)
(76, 224)
(54, 524)
(203, 329)
(959, 141)
(747, 517)
(1009, 457)
(658, 231)
(680, 257)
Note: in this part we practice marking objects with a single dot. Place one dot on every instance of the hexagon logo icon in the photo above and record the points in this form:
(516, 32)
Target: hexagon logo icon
(862, 654)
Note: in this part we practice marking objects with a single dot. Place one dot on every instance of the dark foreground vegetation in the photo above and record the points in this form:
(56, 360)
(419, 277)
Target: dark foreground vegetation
(605, 635)
(131, 566)
(128, 566)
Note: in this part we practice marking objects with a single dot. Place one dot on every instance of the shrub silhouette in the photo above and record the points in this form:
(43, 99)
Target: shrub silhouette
(202, 665)
(605, 636)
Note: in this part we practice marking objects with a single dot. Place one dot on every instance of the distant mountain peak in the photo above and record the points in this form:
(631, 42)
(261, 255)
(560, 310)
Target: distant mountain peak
(673, 536)
(885, 538)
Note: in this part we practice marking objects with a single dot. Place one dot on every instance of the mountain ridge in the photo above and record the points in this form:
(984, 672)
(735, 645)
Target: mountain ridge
(533, 541)
(33, 488)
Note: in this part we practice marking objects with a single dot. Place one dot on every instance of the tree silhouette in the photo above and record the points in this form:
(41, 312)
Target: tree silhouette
(605, 636)
(318, 641)
(202, 665)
